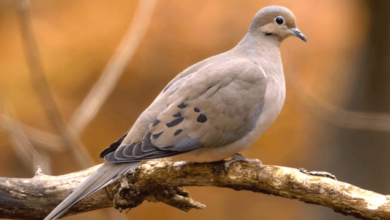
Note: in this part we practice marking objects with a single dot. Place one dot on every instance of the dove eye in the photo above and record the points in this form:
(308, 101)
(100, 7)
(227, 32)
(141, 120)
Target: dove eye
(279, 20)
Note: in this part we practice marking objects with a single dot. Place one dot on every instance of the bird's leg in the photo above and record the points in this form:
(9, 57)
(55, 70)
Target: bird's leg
(238, 157)
(318, 173)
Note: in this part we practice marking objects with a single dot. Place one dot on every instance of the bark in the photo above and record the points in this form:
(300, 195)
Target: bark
(161, 181)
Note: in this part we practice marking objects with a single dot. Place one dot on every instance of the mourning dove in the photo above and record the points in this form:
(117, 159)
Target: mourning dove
(208, 112)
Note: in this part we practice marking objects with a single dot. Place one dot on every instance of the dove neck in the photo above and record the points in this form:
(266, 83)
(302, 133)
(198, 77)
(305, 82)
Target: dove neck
(261, 45)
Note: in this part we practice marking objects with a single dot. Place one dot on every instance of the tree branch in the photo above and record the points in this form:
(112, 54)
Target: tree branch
(161, 181)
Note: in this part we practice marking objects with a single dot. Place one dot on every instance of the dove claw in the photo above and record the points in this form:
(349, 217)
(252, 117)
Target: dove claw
(237, 158)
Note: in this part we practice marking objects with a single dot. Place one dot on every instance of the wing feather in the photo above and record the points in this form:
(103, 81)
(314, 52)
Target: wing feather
(212, 107)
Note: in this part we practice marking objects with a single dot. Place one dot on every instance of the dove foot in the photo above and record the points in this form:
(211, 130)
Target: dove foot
(238, 157)
(318, 173)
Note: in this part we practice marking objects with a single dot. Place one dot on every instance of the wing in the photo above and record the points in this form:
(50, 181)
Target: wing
(113, 146)
(214, 106)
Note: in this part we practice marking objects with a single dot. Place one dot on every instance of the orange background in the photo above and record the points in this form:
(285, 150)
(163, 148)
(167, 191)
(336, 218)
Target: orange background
(77, 38)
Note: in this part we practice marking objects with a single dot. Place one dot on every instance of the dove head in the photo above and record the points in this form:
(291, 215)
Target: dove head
(275, 22)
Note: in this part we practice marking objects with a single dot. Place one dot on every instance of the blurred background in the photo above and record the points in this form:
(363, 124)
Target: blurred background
(101, 63)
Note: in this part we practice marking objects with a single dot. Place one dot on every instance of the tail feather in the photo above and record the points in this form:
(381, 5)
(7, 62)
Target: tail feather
(105, 175)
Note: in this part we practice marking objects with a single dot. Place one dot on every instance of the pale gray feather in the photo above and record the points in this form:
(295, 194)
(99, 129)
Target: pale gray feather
(105, 175)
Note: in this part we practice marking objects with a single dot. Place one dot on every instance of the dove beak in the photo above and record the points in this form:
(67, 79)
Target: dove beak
(299, 34)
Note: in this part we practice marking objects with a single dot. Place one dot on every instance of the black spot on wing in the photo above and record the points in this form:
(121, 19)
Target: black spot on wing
(201, 118)
(155, 136)
(174, 122)
(196, 109)
(156, 122)
(182, 105)
(112, 147)
(177, 115)
(177, 132)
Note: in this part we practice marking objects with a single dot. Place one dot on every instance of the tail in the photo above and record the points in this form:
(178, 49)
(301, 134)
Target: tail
(105, 175)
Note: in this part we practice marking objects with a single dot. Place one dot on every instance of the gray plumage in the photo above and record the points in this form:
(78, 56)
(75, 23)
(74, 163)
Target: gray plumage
(209, 111)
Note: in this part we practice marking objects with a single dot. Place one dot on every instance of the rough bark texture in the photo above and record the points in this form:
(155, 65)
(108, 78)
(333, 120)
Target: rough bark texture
(161, 181)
